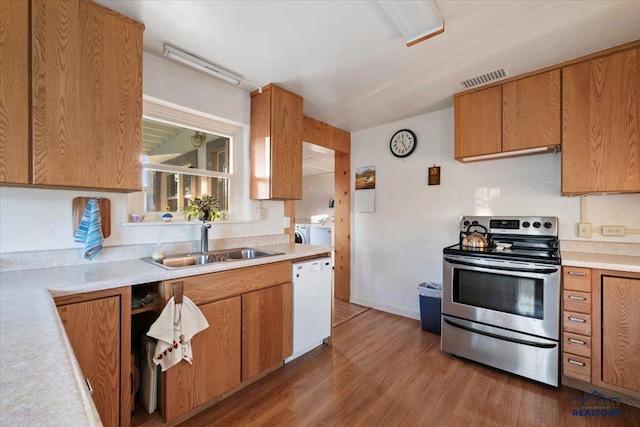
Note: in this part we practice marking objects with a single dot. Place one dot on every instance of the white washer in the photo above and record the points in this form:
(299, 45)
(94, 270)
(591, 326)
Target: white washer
(320, 235)
(302, 233)
(311, 304)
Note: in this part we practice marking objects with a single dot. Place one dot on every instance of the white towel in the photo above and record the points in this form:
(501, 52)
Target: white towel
(175, 327)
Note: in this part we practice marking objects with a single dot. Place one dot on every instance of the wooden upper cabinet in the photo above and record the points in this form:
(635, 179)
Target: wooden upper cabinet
(276, 144)
(478, 123)
(531, 112)
(14, 91)
(518, 115)
(601, 129)
(86, 96)
(267, 329)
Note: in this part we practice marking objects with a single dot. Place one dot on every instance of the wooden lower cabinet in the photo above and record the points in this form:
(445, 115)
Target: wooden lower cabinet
(216, 361)
(267, 333)
(601, 337)
(96, 324)
(250, 316)
(620, 364)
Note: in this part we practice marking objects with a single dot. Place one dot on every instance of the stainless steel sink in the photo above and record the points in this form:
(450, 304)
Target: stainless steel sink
(173, 262)
(249, 253)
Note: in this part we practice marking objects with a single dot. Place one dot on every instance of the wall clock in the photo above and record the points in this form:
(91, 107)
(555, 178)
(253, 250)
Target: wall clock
(403, 143)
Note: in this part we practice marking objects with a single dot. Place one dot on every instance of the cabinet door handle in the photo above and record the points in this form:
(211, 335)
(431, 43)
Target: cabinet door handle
(89, 386)
(576, 273)
(575, 319)
(576, 298)
(575, 362)
(575, 341)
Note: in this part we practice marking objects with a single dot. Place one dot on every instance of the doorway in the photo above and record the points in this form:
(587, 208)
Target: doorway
(318, 187)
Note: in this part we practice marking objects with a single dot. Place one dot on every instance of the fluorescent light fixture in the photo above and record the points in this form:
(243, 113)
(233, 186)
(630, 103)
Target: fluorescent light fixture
(416, 20)
(527, 152)
(205, 66)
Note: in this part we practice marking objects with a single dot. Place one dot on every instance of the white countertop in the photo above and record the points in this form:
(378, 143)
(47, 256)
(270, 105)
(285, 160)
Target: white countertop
(602, 261)
(40, 380)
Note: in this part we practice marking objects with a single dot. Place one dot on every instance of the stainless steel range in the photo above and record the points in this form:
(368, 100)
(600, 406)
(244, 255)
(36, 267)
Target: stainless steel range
(501, 297)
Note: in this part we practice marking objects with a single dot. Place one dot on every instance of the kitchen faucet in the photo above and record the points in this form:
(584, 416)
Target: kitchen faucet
(204, 237)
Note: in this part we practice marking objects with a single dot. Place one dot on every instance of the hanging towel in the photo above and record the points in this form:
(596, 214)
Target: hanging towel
(175, 327)
(89, 230)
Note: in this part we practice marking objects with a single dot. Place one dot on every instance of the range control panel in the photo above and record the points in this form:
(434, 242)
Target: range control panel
(522, 225)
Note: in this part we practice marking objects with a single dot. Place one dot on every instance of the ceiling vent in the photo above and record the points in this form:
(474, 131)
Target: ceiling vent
(485, 78)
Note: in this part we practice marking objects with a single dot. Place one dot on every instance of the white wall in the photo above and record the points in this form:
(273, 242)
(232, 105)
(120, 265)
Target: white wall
(400, 245)
(317, 190)
(41, 219)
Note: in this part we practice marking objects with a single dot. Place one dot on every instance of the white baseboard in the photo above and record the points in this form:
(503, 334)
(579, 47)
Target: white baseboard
(400, 311)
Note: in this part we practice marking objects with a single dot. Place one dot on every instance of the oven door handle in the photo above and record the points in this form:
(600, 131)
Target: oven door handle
(493, 267)
(500, 337)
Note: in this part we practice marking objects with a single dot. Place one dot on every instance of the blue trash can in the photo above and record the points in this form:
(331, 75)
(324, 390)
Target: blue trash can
(430, 306)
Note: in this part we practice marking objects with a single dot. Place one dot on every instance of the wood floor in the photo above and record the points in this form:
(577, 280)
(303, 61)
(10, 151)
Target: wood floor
(343, 311)
(383, 370)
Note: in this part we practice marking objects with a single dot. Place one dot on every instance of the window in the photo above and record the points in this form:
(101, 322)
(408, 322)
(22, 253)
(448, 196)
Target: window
(182, 163)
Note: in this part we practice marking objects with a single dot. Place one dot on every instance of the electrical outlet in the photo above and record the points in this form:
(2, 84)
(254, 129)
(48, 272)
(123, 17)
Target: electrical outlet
(262, 214)
(584, 229)
(613, 230)
(287, 222)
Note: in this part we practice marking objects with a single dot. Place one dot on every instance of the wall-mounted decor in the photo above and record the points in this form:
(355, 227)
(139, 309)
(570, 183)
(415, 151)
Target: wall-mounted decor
(366, 178)
(434, 175)
(403, 143)
(364, 200)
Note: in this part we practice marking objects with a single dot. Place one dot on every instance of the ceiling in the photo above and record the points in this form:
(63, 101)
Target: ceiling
(317, 160)
(351, 65)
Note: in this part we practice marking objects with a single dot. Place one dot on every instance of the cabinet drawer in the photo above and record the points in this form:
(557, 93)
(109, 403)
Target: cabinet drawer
(577, 301)
(578, 323)
(576, 344)
(577, 367)
(576, 278)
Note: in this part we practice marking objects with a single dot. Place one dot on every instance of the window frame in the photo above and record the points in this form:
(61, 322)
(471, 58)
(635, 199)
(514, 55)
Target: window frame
(165, 112)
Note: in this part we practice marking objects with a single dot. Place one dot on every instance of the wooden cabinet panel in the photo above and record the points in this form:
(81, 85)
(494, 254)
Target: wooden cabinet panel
(216, 361)
(286, 145)
(577, 301)
(87, 96)
(577, 367)
(266, 329)
(576, 278)
(576, 344)
(601, 129)
(531, 112)
(621, 332)
(578, 323)
(215, 286)
(276, 144)
(93, 328)
(478, 123)
(14, 91)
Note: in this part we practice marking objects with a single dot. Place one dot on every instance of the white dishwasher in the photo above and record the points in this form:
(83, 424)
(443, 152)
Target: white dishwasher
(311, 304)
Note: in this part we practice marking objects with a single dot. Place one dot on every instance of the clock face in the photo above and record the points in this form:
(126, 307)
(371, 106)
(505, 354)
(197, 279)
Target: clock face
(403, 143)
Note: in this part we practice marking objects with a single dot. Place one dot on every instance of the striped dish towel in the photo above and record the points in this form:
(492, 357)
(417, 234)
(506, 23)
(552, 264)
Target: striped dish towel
(89, 230)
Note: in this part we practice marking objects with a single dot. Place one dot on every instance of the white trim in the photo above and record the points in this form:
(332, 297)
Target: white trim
(161, 167)
(183, 222)
(156, 106)
(400, 311)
